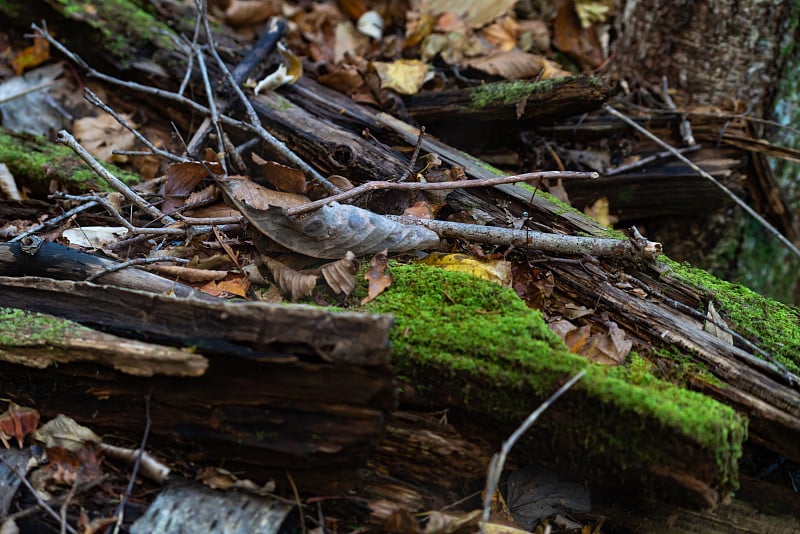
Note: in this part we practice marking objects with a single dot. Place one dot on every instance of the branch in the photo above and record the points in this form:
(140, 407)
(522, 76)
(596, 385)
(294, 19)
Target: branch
(438, 186)
(551, 243)
(774, 231)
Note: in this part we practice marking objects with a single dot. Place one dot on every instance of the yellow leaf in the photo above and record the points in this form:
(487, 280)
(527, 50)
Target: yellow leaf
(405, 76)
(498, 271)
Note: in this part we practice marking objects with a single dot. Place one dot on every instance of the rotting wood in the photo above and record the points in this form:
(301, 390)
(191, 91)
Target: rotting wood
(549, 213)
(40, 341)
(288, 388)
(490, 112)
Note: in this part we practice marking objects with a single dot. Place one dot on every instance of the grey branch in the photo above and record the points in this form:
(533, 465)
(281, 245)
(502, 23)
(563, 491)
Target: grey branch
(550, 243)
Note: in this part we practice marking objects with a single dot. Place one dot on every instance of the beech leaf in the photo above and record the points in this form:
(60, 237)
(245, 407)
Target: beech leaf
(296, 284)
(334, 229)
(377, 276)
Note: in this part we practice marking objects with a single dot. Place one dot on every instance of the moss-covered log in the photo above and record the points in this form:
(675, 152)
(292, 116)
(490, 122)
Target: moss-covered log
(475, 347)
(38, 164)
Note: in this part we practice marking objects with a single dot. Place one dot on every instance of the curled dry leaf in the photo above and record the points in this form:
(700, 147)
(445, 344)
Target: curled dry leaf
(334, 229)
(63, 431)
(17, 422)
(341, 274)
(296, 284)
(377, 276)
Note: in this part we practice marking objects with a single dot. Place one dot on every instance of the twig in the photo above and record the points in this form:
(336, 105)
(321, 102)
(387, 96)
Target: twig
(771, 364)
(499, 459)
(552, 243)
(132, 262)
(46, 507)
(436, 186)
(121, 508)
(265, 45)
(190, 62)
(415, 155)
(66, 502)
(212, 105)
(705, 175)
(58, 498)
(298, 502)
(274, 143)
(55, 220)
(160, 93)
(150, 466)
(27, 91)
(647, 160)
(95, 100)
(66, 138)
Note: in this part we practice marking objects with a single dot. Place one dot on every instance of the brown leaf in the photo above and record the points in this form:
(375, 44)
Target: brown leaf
(243, 189)
(32, 56)
(17, 422)
(576, 41)
(242, 12)
(296, 284)
(377, 276)
(102, 135)
(281, 177)
(182, 178)
(511, 65)
(421, 209)
(340, 275)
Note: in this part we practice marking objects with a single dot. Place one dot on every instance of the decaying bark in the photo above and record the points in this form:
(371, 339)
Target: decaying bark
(308, 391)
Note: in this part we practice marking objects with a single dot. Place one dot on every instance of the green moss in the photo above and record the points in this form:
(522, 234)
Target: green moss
(501, 93)
(19, 328)
(773, 326)
(455, 335)
(124, 26)
(35, 162)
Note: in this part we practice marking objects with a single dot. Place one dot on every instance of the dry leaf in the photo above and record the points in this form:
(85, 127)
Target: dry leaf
(497, 270)
(32, 56)
(182, 178)
(405, 76)
(511, 65)
(476, 13)
(377, 276)
(713, 329)
(296, 284)
(421, 209)
(245, 12)
(242, 189)
(576, 41)
(503, 33)
(17, 422)
(599, 211)
(340, 275)
(287, 72)
(63, 431)
(281, 177)
(334, 229)
(102, 135)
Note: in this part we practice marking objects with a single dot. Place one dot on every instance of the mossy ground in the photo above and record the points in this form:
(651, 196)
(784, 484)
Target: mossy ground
(471, 340)
(36, 162)
(773, 326)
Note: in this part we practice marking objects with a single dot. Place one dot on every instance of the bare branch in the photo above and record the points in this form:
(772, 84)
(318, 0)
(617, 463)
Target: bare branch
(437, 186)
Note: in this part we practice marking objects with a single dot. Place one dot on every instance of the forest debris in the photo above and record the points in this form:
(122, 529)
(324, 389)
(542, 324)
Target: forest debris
(377, 276)
(495, 270)
(297, 285)
(715, 325)
(17, 422)
(102, 135)
(340, 275)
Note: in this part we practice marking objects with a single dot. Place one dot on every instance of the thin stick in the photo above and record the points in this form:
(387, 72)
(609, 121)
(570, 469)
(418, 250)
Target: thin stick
(599, 247)
(415, 155)
(55, 220)
(95, 100)
(160, 93)
(647, 160)
(66, 138)
(136, 261)
(499, 459)
(121, 508)
(705, 175)
(46, 507)
(436, 186)
(274, 143)
(212, 105)
(298, 502)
